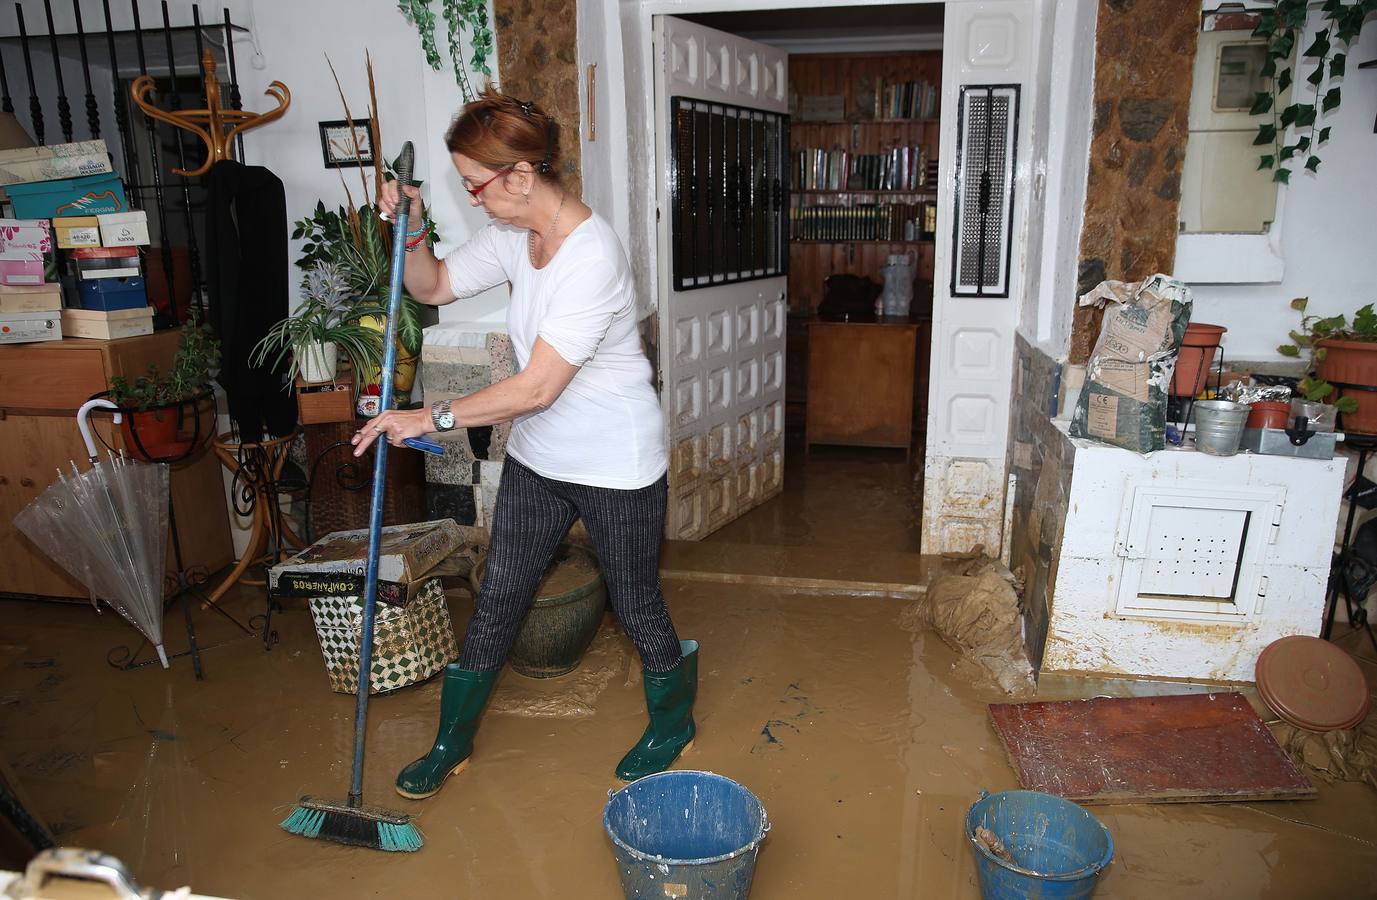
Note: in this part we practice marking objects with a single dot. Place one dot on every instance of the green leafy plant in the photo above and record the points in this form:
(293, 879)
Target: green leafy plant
(329, 313)
(1294, 131)
(460, 16)
(196, 361)
(1306, 339)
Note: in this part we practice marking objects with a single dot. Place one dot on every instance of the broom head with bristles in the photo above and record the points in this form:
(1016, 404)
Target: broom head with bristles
(359, 826)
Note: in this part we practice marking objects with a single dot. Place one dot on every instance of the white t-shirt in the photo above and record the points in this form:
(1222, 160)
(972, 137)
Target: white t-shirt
(606, 429)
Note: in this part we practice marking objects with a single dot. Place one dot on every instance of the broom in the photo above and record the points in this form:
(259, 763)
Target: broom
(350, 822)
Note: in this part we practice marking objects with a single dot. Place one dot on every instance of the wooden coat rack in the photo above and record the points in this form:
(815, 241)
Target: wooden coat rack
(210, 123)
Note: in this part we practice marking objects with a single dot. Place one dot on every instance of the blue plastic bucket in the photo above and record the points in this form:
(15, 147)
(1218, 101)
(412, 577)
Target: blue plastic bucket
(1058, 847)
(685, 834)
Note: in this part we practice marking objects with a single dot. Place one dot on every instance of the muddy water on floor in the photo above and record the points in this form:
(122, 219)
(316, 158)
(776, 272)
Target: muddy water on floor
(865, 743)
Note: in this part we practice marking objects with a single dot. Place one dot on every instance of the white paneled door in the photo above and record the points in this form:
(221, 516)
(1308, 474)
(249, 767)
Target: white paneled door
(722, 210)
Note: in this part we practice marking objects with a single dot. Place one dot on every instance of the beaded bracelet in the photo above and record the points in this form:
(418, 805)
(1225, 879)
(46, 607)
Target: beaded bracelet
(417, 232)
(419, 240)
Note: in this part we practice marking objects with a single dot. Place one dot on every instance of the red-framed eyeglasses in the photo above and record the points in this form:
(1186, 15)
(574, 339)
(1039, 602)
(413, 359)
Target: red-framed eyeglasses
(474, 192)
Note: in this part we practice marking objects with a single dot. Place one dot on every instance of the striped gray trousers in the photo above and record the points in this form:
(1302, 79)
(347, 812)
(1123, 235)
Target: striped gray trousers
(532, 515)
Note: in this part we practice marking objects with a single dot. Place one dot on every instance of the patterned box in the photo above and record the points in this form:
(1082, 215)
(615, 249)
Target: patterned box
(410, 642)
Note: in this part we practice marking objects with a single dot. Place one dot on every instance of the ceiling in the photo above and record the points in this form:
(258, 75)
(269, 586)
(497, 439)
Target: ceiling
(841, 28)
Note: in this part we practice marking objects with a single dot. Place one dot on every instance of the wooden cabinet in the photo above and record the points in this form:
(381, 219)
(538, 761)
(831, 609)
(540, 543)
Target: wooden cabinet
(41, 387)
(861, 383)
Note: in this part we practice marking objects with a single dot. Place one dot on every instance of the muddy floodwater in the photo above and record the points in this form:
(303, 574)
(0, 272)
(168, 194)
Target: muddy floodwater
(865, 742)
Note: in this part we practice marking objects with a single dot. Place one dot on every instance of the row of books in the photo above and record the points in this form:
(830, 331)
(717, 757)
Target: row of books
(865, 222)
(901, 168)
(906, 100)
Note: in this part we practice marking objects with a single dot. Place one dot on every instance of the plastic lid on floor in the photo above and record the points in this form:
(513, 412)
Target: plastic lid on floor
(1312, 684)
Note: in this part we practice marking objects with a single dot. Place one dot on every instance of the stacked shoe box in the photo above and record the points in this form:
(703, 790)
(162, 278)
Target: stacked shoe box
(412, 632)
(30, 305)
(110, 297)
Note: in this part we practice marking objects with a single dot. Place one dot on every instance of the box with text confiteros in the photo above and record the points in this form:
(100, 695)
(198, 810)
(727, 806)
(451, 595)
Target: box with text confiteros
(407, 552)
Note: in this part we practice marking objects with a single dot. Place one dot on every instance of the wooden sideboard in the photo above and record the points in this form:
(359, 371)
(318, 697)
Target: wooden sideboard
(41, 387)
(860, 383)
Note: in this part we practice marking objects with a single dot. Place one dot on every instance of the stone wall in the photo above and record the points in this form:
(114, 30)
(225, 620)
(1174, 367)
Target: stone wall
(537, 56)
(1144, 56)
(1041, 457)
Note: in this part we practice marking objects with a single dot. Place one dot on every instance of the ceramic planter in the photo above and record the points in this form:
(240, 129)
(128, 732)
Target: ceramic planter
(1352, 362)
(318, 361)
(564, 617)
(1195, 358)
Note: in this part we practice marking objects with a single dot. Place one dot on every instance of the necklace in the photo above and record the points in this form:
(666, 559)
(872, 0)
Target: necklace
(530, 243)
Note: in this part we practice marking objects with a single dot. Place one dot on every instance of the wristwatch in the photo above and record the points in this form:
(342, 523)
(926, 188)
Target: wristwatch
(440, 416)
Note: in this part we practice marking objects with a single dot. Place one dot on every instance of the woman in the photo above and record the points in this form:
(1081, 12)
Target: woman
(587, 440)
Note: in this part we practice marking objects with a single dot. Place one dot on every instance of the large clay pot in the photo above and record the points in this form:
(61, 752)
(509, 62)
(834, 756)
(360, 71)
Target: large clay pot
(1193, 362)
(567, 611)
(1352, 362)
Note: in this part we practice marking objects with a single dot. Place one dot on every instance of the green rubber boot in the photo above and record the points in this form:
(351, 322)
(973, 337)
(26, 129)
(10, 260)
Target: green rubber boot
(461, 703)
(669, 700)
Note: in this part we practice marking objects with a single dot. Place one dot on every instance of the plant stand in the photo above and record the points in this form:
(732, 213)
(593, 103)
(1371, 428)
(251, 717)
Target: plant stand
(257, 483)
(1338, 573)
(1185, 406)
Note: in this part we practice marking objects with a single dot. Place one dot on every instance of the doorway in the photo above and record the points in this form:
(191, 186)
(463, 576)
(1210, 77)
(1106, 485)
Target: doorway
(863, 87)
(995, 51)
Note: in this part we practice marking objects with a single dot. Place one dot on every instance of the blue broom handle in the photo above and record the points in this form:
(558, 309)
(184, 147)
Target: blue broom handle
(405, 164)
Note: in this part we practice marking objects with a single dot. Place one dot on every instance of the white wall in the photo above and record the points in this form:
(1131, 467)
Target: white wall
(1328, 226)
(1061, 141)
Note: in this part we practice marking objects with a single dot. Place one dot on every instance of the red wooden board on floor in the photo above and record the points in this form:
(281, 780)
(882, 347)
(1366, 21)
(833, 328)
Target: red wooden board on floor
(1172, 749)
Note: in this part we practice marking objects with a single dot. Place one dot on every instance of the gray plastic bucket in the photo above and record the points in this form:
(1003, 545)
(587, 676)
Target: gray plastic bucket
(685, 834)
(1219, 426)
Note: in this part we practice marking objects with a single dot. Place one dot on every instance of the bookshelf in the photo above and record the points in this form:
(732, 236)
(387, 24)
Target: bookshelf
(863, 178)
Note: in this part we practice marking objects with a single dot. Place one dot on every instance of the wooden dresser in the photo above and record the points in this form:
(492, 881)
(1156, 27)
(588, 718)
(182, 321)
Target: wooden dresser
(861, 382)
(41, 387)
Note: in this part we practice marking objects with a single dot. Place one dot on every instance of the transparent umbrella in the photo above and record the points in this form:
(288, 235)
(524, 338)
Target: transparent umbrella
(107, 527)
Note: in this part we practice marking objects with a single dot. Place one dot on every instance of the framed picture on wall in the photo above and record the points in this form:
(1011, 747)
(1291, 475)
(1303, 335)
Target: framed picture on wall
(342, 150)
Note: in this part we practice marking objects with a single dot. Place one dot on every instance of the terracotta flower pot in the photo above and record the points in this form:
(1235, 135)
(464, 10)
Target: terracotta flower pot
(1352, 362)
(1195, 358)
(157, 432)
(1269, 414)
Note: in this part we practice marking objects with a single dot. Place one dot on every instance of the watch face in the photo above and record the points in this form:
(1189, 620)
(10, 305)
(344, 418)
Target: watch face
(446, 420)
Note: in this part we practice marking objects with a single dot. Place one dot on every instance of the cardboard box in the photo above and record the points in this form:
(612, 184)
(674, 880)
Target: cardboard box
(77, 231)
(54, 161)
(86, 196)
(408, 552)
(45, 297)
(27, 327)
(124, 229)
(26, 249)
(112, 293)
(106, 326)
(326, 401)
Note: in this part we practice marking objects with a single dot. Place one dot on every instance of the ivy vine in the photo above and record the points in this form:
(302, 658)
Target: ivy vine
(1294, 132)
(460, 16)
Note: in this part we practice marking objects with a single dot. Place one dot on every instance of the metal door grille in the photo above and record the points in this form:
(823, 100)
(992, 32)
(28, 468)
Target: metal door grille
(986, 147)
(729, 191)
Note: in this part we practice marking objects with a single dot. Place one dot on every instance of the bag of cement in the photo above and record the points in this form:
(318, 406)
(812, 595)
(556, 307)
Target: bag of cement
(1124, 399)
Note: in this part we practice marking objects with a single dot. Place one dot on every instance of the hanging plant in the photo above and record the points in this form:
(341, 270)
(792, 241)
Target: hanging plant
(460, 16)
(1283, 27)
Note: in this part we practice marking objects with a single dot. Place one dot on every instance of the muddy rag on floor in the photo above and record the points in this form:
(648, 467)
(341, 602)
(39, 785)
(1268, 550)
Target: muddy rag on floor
(1347, 755)
(977, 613)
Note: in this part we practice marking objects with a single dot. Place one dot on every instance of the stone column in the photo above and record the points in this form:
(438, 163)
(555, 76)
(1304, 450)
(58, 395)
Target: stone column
(1144, 58)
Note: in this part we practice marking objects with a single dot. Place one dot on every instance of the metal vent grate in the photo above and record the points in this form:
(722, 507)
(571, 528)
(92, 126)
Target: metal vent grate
(986, 135)
(728, 193)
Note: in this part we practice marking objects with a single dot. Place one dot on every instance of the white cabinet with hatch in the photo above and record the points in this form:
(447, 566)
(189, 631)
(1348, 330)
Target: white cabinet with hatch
(1183, 565)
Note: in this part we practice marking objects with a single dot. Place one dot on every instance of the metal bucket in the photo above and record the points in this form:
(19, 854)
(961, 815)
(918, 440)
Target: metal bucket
(1219, 426)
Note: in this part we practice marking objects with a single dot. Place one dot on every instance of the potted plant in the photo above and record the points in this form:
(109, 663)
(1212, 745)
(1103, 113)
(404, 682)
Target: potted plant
(325, 323)
(155, 404)
(1341, 354)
